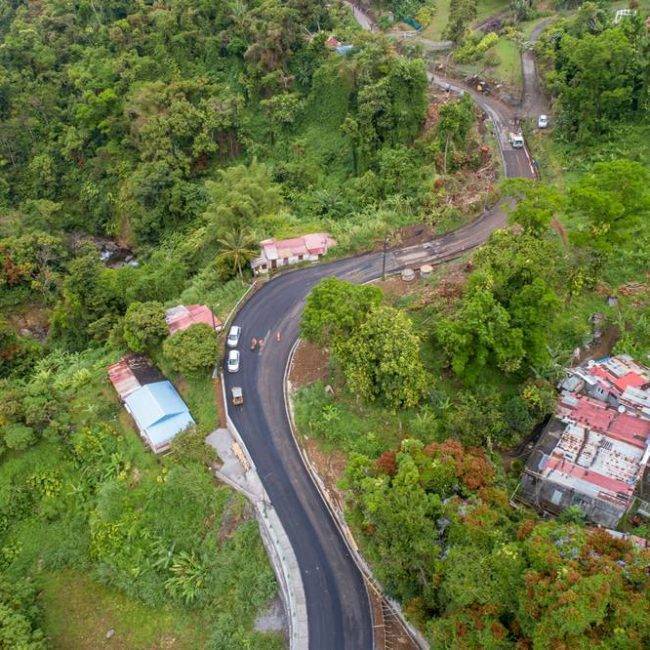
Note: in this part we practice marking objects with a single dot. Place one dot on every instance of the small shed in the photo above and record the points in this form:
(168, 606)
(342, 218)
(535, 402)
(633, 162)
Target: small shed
(332, 42)
(160, 414)
(183, 316)
(131, 372)
(344, 49)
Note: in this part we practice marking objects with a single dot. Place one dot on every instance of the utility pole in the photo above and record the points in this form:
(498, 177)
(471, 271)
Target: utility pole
(383, 261)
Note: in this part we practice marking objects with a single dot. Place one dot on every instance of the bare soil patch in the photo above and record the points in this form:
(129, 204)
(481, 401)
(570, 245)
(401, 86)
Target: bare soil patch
(601, 347)
(310, 363)
(446, 284)
(30, 320)
(221, 408)
(330, 466)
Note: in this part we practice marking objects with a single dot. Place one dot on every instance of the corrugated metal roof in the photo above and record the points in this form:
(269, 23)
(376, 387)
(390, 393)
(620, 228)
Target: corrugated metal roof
(159, 412)
(122, 378)
(598, 443)
(313, 243)
(131, 372)
(183, 316)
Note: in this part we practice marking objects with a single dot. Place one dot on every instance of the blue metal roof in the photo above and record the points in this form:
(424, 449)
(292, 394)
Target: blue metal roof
(159, 412)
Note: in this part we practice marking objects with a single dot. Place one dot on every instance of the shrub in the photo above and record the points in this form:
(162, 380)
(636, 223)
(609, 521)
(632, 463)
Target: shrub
(18, 436)
(192, 351)
(144, 325)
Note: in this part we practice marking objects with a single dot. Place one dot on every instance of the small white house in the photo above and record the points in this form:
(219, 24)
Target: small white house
(277, 253)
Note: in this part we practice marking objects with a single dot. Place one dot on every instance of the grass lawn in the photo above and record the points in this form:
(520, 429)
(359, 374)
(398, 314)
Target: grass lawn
(199, 393)
(509, 66)
(79, 612)
(486, 8)
(434, 29)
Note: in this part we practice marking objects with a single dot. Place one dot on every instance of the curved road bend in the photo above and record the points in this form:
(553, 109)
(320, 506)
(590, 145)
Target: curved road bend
(338, 608)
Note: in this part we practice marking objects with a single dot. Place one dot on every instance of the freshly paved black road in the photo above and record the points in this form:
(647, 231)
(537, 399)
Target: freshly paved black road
(337, 603)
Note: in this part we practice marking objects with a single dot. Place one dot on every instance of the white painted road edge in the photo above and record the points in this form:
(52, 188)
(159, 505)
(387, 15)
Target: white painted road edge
(340, 522)
(280, 551)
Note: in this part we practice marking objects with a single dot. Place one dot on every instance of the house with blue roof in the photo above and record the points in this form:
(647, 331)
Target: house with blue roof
(159, 412)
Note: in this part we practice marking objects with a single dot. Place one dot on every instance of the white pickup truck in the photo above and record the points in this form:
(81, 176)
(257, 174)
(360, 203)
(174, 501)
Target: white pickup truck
(516, 140)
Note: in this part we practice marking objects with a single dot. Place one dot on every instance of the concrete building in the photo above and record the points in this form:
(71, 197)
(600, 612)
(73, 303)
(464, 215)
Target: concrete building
(156, 408)
(594, 451)
(277, 253)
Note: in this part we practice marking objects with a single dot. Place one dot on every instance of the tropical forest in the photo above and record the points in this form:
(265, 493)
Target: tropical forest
(432, 431)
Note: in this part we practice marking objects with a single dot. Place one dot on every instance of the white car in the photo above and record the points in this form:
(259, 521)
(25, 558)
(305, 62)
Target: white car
(233, 361)
(516, 140)
(542, 121)
(233, 336)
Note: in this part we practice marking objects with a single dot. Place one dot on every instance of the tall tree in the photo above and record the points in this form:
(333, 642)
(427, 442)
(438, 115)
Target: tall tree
(335, 309)
(381, 360)
(144, 326)
(456, 119)
(236, 248)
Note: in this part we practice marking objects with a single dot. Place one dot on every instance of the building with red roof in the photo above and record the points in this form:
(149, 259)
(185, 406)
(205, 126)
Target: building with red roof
(157, 409)
(275, 253)
(183, 316)
(332, 42)
(595, 450)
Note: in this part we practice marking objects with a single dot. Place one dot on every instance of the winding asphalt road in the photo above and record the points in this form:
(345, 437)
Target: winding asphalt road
(338, 607)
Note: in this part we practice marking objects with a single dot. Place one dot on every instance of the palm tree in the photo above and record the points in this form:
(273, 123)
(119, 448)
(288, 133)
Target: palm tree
(237, 249)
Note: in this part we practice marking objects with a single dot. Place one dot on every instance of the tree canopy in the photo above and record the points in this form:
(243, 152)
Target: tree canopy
(335, 309)
(193, 350)
(144, 326)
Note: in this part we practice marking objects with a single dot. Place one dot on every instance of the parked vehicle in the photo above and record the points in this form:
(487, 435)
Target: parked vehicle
(542, 121)
(233, 336)
(517, 140)
(408, 275)
(237, 396)
(233, 361)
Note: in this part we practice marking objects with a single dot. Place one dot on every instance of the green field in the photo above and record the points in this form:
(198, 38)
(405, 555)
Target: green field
(437, 26)
(508, 69)
(79, 612)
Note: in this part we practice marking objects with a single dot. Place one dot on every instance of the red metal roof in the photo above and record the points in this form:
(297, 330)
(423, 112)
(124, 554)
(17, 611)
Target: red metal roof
(592, 413)
(313, 243)
(606, 420)
(122, 378)
(621, 382)
(630, 379)
(630, 429)
(181, 317)
(557, 463)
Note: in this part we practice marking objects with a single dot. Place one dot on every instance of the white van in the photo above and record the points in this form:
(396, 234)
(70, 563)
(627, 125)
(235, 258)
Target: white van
(517, 140)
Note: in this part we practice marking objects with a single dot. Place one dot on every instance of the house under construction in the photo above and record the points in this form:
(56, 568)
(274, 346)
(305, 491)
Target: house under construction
(594, 451)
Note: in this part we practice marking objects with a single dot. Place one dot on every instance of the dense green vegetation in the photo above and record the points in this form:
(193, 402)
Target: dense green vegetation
(477, 573)
(429, 505)
(184, 132)
(429, 480)
(597, 70)
(77, 493)
(375, 346)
